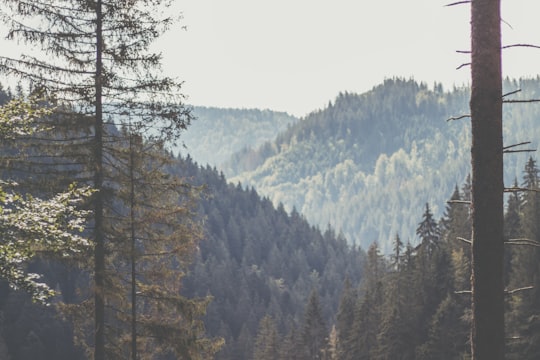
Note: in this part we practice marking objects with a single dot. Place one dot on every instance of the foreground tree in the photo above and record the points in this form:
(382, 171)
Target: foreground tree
(99, 68)
(31, 226)
(488, 339)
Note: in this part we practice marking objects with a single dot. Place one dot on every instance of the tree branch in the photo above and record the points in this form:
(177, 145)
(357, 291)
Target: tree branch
(517, 189)
(511, 92)
(458, 117)
(510, 292)
(528, 242)
(521, 45)
(458, 3)
(465, 240)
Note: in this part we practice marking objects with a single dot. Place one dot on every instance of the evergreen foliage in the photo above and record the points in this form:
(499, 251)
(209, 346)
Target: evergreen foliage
(365, 162)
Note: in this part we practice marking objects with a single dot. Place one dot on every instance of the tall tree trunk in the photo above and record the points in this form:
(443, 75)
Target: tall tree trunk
(99, 252)
(487, 187)
(133, 247)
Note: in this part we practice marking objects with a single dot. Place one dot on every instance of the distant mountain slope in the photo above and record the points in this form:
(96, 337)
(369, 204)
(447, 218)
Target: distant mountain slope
(368, 163)
(218, 133)
(257, 260)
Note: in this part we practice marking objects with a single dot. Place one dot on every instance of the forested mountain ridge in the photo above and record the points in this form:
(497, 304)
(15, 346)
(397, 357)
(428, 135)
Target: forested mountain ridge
(259, 261)
(218, 133)
(368, 162)
(255, 260)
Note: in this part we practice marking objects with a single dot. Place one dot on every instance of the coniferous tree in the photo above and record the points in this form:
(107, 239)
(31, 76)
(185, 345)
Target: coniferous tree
(394, 338)
(314, 332)
(367, 315)
(267, 340)
(32, 227)
(105, 72)
(428, 232)
(345, 320)
(157, 234)
(524, 316)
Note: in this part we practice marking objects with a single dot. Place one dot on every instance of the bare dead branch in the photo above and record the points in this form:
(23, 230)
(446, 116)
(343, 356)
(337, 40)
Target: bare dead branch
(519, 151)
(458, 3)
(521, 101)
(459, 202)
(528, 242)
(511, 92)
(463, 292)
(510, 292)
(458, 117)
(520, 45)
(463, 65)
(463, 51)
(507, 24)
(464, 240)
(516, 145)
(518, 189)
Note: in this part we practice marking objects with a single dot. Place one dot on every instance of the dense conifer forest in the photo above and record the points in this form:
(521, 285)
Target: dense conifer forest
(280, 288)
(373, 228)
(368, 162)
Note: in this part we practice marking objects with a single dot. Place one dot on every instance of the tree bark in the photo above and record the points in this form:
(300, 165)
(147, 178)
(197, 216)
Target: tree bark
(99, 232)
(487, 186)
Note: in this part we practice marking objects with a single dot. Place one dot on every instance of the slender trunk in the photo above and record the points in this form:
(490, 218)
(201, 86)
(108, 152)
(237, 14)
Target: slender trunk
(487, 186)
(133, 258)
(99, 252)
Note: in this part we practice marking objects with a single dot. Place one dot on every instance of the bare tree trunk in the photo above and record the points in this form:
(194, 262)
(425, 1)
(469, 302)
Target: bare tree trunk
(99, 233)
(487, 187)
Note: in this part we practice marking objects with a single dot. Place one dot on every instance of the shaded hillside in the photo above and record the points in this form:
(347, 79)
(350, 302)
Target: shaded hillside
(219, 133)
(368, 162)
(257, 260)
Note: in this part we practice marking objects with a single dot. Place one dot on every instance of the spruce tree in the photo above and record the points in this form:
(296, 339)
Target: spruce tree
(267, 340)
(98, 65)
(345, 319)
(314, 332)
(524, 316)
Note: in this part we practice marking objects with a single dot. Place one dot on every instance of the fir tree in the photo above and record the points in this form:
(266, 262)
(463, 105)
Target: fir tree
(103, 73)
(314, 332)
(267, 340)
(345, 320)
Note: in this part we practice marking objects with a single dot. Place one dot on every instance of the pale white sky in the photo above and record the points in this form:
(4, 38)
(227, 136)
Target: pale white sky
(297, 55)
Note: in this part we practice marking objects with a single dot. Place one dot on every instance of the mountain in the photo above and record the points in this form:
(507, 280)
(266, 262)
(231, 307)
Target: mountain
(257, 260)
(217, 133)
(368, 163)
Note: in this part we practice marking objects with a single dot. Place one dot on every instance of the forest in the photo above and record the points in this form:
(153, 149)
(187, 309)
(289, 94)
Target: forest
(347, 234)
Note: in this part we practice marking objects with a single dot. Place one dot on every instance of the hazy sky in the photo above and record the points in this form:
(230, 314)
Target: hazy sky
(297, 55)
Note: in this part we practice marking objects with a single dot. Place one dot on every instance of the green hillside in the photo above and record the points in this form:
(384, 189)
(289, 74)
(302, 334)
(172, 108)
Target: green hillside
(219, 133)
(368, 163)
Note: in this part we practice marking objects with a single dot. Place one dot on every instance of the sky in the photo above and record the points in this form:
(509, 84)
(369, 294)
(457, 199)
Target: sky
(298, 55)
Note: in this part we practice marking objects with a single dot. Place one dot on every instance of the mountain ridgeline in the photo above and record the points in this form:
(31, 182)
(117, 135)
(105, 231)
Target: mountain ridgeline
(367, 163)
(219, 133)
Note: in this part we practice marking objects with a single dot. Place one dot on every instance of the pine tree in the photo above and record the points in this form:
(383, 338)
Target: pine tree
(524, 317)
(428, 232)
(314, 332)
(267, 340)
(345, 319)
(395, 337)
(367, 315)
(103, 71)
(156, 235)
